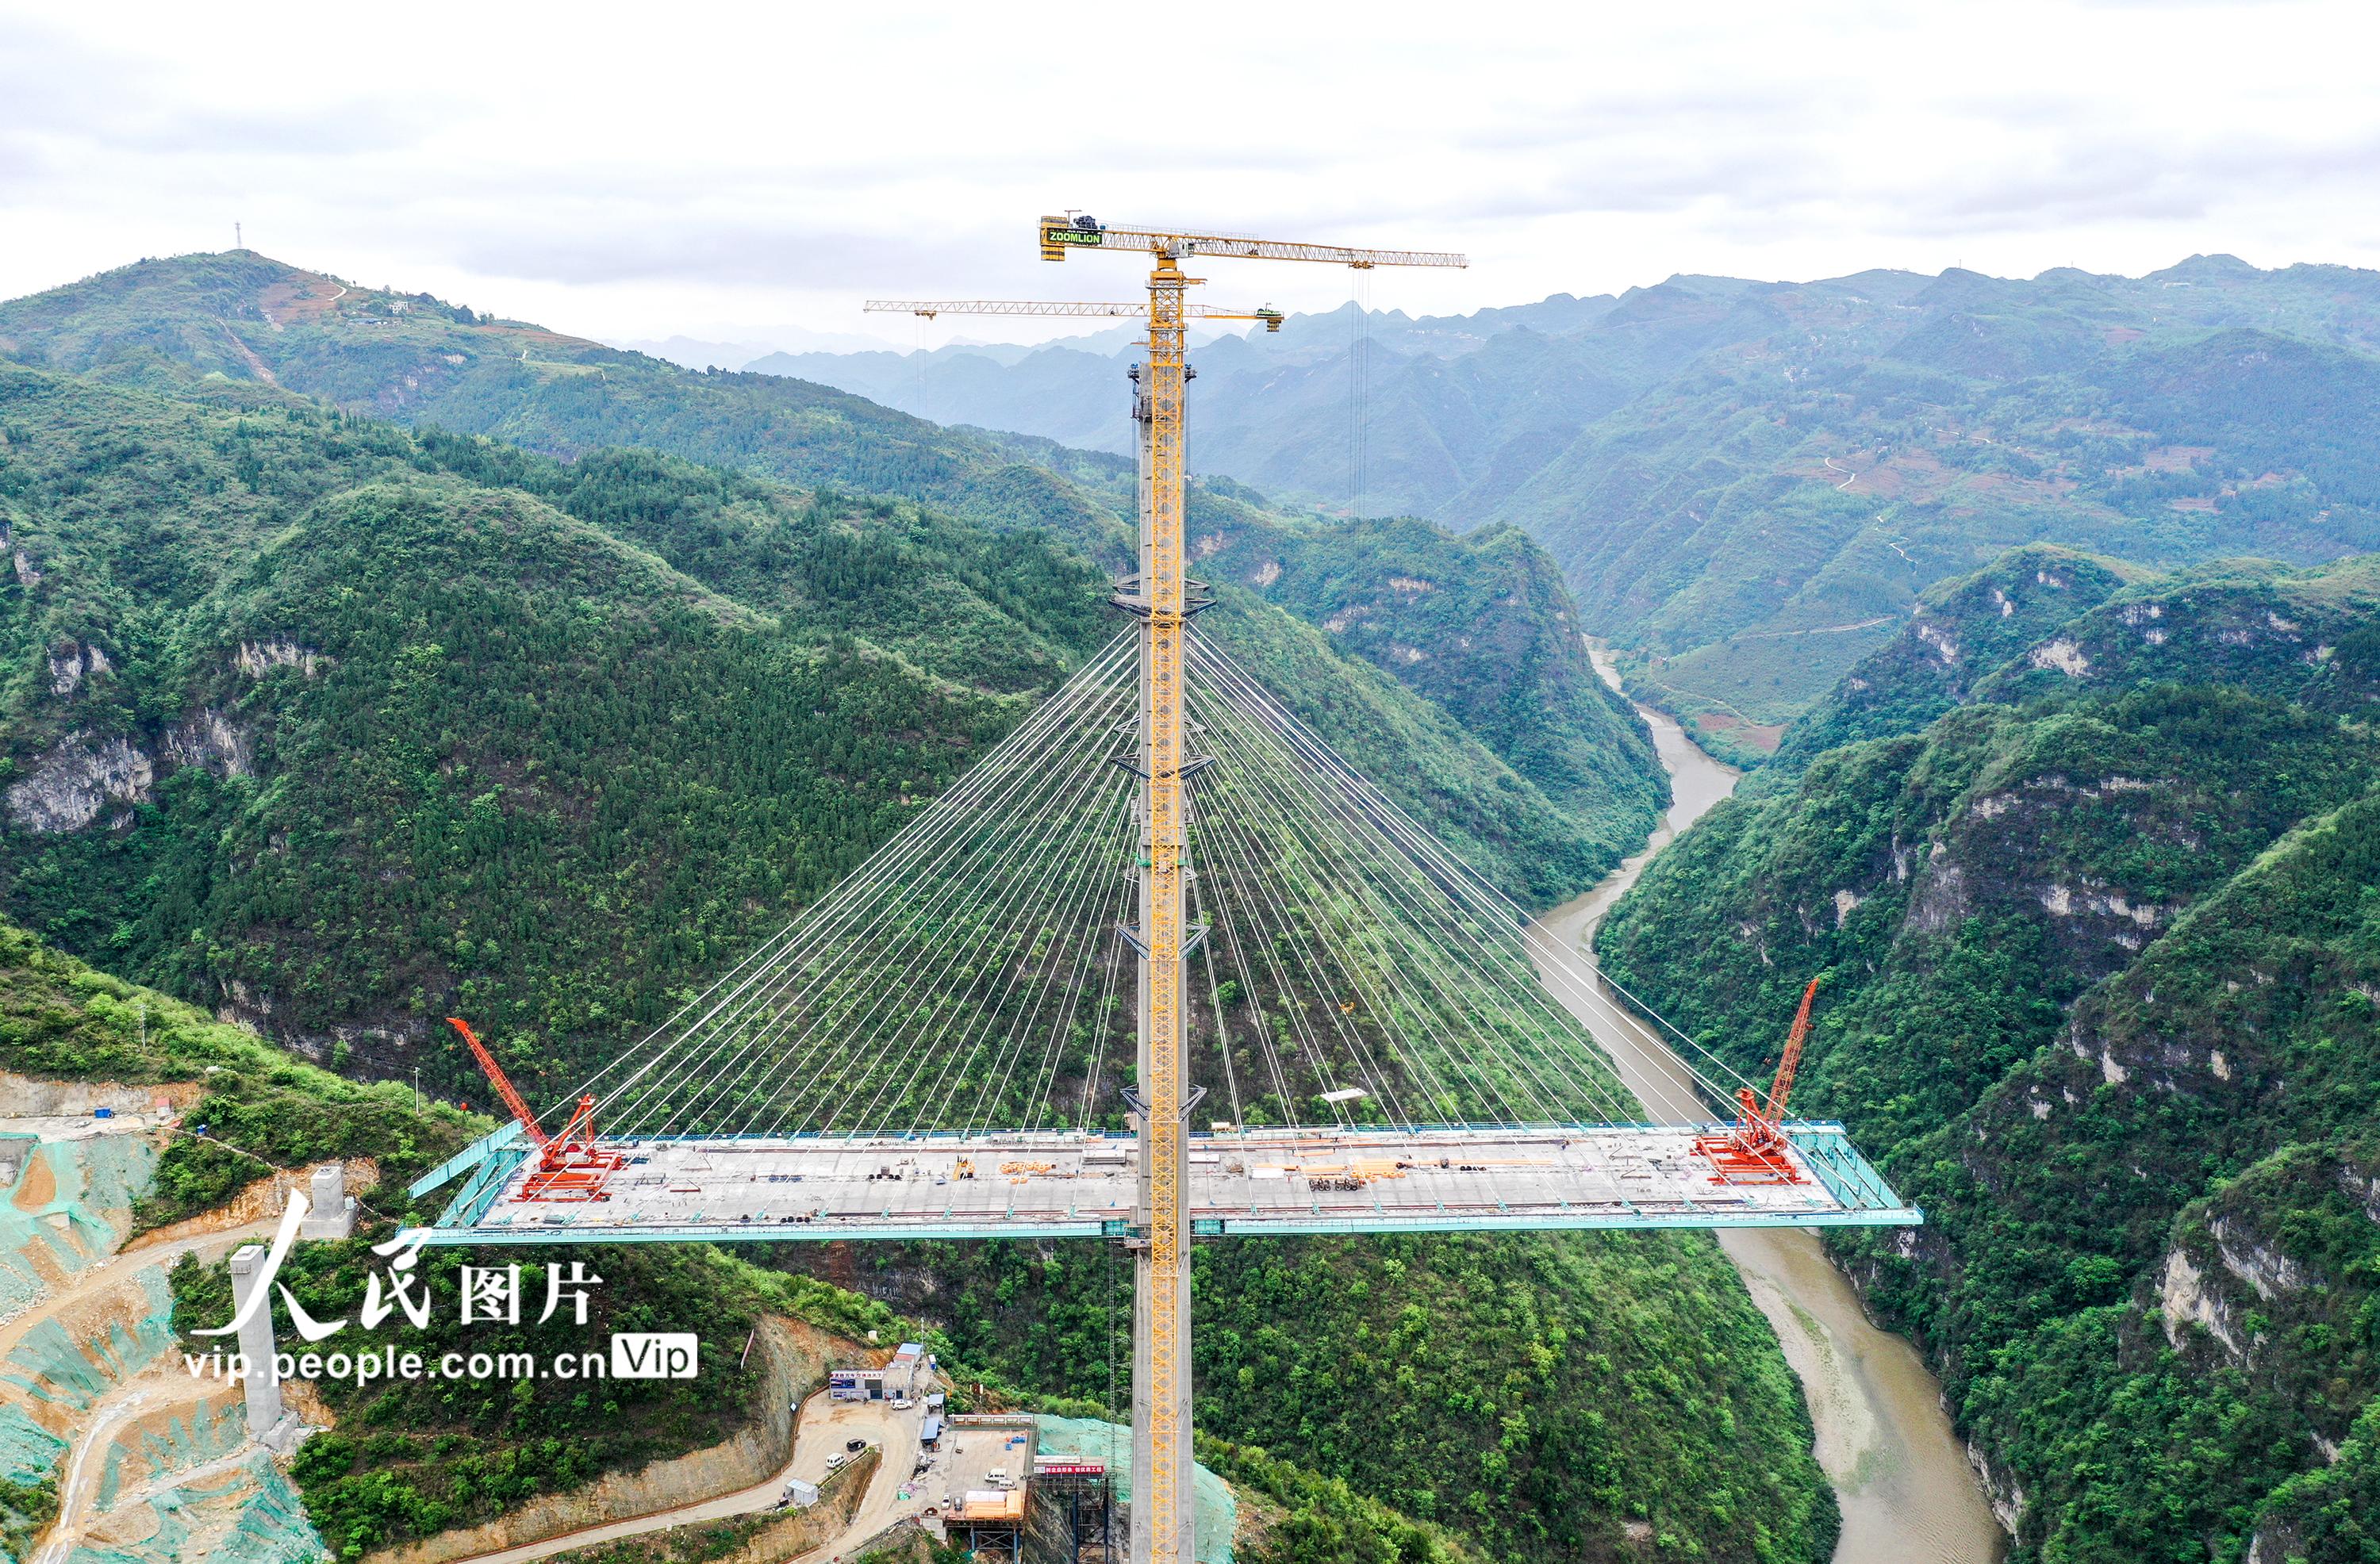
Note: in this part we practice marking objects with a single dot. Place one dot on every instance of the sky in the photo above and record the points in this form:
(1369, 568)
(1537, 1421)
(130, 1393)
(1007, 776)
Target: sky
(754, 174)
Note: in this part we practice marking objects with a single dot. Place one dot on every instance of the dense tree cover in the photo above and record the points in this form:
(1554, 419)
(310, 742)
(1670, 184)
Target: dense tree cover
(435, 723)
(429, 722)
(1537, 1395)
(1961, 630)
(222, 325)
(409, 1459)
(2100, 949)
(62, 1019)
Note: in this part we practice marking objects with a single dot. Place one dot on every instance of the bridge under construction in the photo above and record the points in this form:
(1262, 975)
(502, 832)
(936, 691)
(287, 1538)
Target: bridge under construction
(1162, 965)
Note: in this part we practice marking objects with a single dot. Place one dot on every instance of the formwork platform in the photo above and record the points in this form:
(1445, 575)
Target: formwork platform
(1253, 1183)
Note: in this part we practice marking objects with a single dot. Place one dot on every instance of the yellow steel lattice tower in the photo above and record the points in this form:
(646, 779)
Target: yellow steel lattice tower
(1162, 597)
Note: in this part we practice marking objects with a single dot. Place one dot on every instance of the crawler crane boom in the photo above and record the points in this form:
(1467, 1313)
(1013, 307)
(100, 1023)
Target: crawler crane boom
(570, 1166)
(1755, 1148)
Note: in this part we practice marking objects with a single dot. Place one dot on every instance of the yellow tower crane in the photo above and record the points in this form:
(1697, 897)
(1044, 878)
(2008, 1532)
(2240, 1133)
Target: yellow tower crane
(1160, 596)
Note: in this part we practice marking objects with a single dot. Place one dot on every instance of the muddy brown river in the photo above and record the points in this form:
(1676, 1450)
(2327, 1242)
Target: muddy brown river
(1908, 1495)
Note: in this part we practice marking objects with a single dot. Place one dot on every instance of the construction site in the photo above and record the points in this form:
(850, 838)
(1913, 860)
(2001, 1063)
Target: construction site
(1162, 967)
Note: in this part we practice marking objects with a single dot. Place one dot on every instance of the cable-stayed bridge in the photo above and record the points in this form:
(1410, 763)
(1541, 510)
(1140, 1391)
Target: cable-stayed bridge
(1161, 966)
(944, 1046)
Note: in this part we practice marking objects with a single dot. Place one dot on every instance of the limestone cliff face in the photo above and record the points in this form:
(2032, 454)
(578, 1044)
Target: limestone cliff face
(83, 777)
(75, 782)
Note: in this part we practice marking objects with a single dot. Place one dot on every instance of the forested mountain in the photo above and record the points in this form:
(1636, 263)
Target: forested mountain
(239, 319)
(410, 1459)
(341, 726)
(1747, 484)
(2093, 885)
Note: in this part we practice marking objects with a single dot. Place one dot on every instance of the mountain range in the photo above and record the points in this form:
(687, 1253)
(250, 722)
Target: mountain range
(2087, 858)
(1748, 485)
(368, 664)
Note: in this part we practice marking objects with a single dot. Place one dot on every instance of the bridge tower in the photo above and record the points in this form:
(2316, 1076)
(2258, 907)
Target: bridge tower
(1162, 597)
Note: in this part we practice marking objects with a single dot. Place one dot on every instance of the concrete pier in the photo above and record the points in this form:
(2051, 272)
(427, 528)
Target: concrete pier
(331, 1210)
(256, 1342)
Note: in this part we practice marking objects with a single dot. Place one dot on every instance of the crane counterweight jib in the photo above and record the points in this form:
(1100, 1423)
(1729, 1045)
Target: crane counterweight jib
(1098, 310)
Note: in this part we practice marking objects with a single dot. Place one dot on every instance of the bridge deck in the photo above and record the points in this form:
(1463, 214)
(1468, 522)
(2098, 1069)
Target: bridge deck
(1252, 1183)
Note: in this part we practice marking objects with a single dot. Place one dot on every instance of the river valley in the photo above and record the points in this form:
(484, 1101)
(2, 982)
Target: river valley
(1901, 1474)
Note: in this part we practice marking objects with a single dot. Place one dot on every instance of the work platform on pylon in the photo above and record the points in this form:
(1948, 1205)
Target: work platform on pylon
(1256, 1184)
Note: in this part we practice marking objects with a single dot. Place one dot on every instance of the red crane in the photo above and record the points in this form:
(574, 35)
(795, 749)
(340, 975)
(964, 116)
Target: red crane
(570, 1166)
(1754, 1151)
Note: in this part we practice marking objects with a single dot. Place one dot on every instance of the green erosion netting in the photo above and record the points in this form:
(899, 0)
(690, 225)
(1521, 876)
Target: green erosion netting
(1086, 1438)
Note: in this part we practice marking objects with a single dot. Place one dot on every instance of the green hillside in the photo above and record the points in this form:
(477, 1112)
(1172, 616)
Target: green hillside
(1760, 517)
(1749, 485)
(240, 325)
(341, 728)
(409, 1460)
(1541, 1396)
(2100, 949)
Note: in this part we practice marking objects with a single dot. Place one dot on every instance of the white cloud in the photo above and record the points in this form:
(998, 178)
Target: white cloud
(635, 172)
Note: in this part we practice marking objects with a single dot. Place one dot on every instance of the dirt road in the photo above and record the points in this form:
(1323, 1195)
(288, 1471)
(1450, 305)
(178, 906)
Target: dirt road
(824, 1430)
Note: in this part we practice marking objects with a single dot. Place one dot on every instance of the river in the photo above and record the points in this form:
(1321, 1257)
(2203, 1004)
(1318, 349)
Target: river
(1907, 1493)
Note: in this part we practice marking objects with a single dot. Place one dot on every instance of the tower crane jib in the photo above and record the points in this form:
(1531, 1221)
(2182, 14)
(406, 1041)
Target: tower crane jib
(1161, 598)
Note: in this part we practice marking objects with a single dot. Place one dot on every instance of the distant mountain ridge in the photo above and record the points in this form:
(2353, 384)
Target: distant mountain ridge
(1749, 484)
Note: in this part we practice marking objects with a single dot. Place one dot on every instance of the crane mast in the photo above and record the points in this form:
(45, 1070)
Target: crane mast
(1163, 597)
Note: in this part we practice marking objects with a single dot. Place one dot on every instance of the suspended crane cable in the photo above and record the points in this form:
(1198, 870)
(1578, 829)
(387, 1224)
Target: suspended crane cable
(1086, 866)
(948, 867)
(904, 848)
(1067, 788)
(1243, 862)
(1215, 993)
(1062, 941)
(961, 817)
(1246, 768)
(1090, 951)
(890, 997)
(1024, 890)
(1255, 994)
(1460, 875)
(1092, 935)
(1110, 961)
(1393, 917)
(1405, 904)
(1464, 883)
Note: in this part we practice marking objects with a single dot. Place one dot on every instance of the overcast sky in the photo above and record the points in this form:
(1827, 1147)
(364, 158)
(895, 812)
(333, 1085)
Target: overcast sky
(640, 171)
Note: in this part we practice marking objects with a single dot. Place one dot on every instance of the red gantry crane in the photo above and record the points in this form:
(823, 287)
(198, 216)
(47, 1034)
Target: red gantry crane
(570, 1165)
